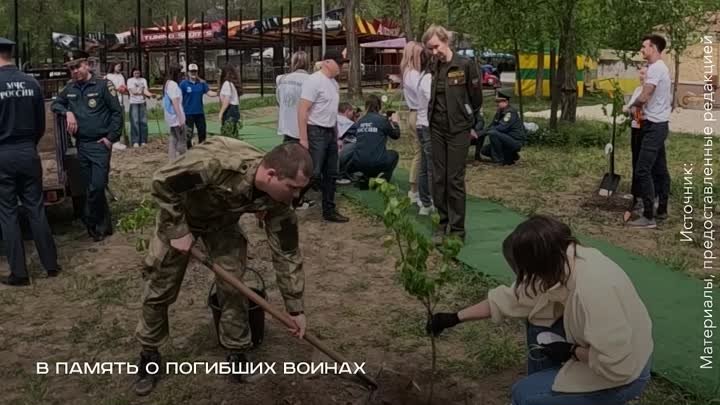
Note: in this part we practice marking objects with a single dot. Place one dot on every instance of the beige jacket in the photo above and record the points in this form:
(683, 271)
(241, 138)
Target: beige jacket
(601, 311)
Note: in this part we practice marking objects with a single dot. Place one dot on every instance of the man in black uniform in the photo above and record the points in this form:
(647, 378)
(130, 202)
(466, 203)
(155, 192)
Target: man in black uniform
(506, 133)
(454, 109)
(22, 124)
(95, 117)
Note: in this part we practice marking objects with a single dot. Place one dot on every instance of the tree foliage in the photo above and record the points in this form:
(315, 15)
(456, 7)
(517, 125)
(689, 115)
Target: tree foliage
(419, 275)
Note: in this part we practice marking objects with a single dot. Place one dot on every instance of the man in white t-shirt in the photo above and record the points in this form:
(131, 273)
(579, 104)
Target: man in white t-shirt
(317, 120)
(288, 90)
(118, 80)
(655, 100)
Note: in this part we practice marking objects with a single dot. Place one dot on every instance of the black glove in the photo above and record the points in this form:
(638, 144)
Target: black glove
(559, 351)
(441, 321)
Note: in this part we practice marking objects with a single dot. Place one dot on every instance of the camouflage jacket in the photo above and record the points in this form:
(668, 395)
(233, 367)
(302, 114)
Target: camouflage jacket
(210, 187)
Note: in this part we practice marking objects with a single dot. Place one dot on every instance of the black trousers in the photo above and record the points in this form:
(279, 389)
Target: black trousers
(636, 137)
(448, 159)
(21, 179)
(195, 121)
(94, 161)
(653, 177)
(383, 167)
(322, 144)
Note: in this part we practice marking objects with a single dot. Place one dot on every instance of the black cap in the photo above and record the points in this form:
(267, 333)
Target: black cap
(502, 95)
(76, 56)
(6, 44)
(336, 56)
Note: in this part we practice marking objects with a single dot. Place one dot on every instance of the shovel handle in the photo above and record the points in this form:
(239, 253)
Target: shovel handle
(281, 316)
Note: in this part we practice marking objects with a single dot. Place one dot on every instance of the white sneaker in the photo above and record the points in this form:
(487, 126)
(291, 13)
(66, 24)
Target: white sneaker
(119, 146)
(342, 181)
(136, 145)
(414, 197)
(426, 210)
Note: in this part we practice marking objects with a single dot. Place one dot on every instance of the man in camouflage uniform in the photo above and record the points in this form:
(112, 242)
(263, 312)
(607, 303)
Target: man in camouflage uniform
(202, 194)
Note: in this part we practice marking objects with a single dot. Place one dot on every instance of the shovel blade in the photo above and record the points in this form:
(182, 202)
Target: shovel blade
(609, 184)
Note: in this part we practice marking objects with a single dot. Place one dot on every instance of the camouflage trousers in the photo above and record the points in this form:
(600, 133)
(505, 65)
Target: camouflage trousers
(163, 275)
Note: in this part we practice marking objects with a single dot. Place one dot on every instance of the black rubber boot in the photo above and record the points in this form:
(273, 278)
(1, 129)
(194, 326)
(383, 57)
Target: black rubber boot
(243, 367)
(146, 382)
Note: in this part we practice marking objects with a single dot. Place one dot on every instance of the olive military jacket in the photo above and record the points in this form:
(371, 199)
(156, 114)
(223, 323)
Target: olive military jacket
(463, 92)
(210, 187)
(96, 108)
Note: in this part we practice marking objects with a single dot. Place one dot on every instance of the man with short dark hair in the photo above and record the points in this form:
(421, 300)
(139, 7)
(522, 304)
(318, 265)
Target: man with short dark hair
(203, 194)
(95, 118)
(346, 131)
(651, 170)
(22, 124)
(317, 120)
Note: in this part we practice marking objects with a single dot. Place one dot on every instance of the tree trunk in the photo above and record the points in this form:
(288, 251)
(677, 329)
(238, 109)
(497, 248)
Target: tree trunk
(406, 13)
(518, 76)
(568, 94)
(540, 70)
(555, 78)
(423, 20)
(353, 50)
(677, 79)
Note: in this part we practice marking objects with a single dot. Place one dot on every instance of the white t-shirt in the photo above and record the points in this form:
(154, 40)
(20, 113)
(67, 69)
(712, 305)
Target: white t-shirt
(117, 80)
(411, 81)
(324, 93)
(635, 95)
(423, 99)
(658, 108)
(287, 92)
(172, 91)
(136, 88)
(228, 90)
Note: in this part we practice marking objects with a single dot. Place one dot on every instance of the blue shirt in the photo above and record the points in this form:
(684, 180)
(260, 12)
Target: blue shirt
(193, 96)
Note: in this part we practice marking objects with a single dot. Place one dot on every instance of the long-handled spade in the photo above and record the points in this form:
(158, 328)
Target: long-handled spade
(279, 315)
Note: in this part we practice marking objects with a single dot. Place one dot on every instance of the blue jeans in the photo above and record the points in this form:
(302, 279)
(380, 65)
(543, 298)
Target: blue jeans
(138, 124)
(536, 388)
(425, 176)
(346, 155)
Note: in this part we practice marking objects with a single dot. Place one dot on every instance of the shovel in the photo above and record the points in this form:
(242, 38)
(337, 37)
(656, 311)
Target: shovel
(610, 181)
(280, 316)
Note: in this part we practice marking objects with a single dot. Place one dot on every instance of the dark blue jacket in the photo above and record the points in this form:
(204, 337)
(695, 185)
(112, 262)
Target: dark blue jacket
(22, 108)
(372, 133)
(96, 108)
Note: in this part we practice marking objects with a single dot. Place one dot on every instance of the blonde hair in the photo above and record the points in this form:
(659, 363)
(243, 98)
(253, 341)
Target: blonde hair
(299, 61)
(442, 34)
(411, 57)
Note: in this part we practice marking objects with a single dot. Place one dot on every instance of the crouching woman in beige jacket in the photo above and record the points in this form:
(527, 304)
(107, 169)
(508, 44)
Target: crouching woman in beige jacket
(589, 334)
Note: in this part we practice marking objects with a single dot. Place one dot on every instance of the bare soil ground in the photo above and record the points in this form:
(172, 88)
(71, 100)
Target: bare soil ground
(89, 313)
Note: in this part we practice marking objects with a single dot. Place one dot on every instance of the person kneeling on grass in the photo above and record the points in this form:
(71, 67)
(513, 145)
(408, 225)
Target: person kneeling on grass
(589, 334)
(371, 157)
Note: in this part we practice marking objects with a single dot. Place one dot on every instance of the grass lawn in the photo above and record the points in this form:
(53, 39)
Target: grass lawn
(563, 181)
(559, 175)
